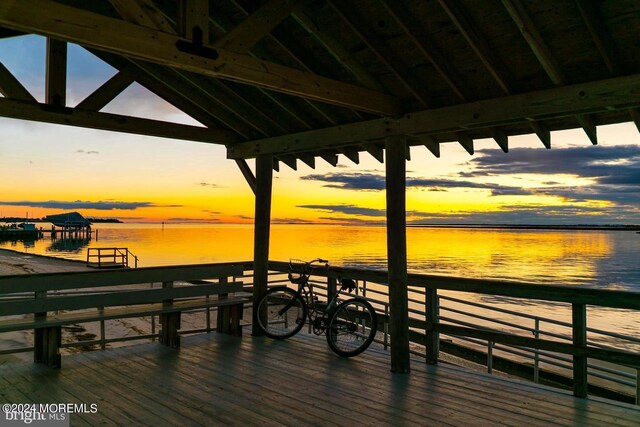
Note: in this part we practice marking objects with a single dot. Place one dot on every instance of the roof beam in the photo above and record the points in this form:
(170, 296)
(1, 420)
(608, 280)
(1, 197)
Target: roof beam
(604, 95)
(599, 34)
(10, 87)
(351, 154)
(376, 151)
(417, 33)
(17, 109)
(350, 15)
(135, 41)
(194, 20)
(108, 91)
(247, 173)
(56, 73)
(144, 12)
(332, 159)
(257, 26)
(308, 160)
(501, 138)
(432, 145)
(466, 141)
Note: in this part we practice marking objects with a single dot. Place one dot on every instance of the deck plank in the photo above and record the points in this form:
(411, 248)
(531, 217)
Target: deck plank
(218, 379)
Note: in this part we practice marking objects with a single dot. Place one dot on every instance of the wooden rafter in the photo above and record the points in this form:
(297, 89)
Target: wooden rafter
(478, 43)
(100, 32)
(599, 34)
(113, 122)
(417, 33)
(257, 26)
(247, 173)
(376, 150)
(194, 20)
(349, 14)
(536, 42)
(11, 87)
(604, 95)
(143, 12)
(108, 91)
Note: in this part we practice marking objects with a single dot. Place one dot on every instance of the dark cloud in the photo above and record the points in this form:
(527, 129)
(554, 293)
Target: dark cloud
(79, 204)
(197, 220)
(374, 182)
(346, 209)
(208, 184)
(87, 152)
(290, 221)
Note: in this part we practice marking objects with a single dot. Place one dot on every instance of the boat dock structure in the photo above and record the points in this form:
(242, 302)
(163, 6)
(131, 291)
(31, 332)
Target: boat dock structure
(285, 83)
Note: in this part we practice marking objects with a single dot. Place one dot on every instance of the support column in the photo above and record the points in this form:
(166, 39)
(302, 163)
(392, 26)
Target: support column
(396, 148)
(56, 80)
(579, 323)
(264, 179)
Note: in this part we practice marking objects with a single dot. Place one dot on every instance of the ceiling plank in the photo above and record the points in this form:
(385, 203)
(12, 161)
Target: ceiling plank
(350, 15)
(113, 122)
(109, 90)
(418, 34)
(478, 43)
(604, 95)
(337, 50)
(599, 34)
(11, 87)
(135, 41)
(257, 26)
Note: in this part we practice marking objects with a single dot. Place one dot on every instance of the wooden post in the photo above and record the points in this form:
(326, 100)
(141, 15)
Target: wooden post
(169, 323)
(397, 253)
(432, 337)
(332, 287)
(264, 178)
(56, 72)
(579, 317)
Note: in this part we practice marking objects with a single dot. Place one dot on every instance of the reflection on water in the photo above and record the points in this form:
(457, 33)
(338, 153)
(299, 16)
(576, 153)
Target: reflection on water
(593, 258)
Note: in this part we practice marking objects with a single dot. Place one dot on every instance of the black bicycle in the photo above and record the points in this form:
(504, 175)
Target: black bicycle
(350, 325)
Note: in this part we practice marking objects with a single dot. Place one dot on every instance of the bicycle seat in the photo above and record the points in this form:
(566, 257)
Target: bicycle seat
(347, 284)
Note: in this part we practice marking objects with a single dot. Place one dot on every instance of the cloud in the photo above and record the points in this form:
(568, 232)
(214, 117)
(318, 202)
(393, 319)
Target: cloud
(346, 210)
(197, 220)
(87, 152)
(208, 184)
(79, 204)
(374, 182)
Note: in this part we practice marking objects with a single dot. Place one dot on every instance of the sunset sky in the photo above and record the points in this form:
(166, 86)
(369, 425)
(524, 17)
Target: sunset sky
(46, 169)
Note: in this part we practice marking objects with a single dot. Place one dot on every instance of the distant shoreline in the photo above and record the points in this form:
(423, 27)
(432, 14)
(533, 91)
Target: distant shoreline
(532, 227)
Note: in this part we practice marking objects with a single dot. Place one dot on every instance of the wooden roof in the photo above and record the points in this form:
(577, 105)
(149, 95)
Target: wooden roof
(316, 78)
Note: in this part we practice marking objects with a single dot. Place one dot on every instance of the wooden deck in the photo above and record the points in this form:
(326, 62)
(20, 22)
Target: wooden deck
(215, 379)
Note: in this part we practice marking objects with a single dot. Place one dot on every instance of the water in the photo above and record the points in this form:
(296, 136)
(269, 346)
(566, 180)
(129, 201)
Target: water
(603, 259)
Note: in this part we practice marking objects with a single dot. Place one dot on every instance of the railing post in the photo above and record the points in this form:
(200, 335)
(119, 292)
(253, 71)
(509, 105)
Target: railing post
(332, 287)
(637, 386)
(490, 356)
(579, 322)
(432, 337)
(169, 323)
(536, 357)
(386, 326)
(103, 344)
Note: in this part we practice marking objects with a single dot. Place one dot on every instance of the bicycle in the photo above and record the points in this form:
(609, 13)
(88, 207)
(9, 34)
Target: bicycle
(350, 326)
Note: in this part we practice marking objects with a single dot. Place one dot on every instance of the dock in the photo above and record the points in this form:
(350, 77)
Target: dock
(218, 379)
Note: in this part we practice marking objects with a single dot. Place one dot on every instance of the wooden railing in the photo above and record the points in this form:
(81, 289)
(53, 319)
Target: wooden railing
(111, 257)
(577, 298)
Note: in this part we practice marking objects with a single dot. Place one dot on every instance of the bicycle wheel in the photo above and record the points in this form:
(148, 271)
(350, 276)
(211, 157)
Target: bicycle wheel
(352, 327)
(281, 313)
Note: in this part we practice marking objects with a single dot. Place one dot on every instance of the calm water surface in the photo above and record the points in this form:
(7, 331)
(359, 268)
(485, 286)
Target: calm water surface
(605, 259)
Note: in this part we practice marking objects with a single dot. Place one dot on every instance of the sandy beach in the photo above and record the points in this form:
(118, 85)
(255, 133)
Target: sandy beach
(12, 262)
